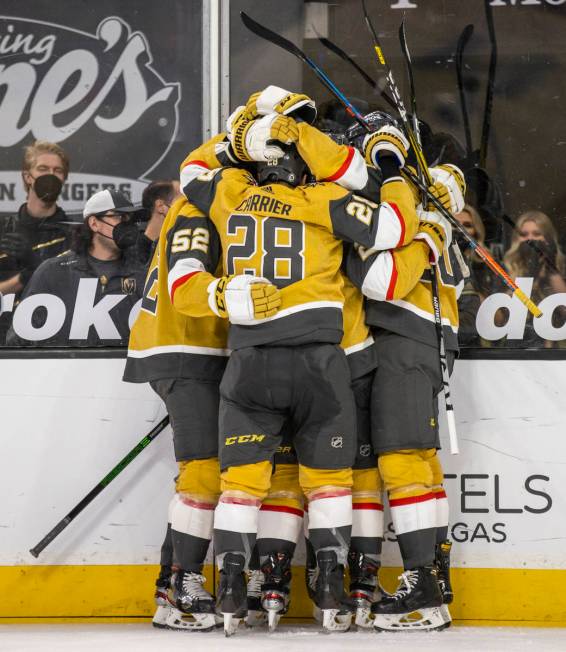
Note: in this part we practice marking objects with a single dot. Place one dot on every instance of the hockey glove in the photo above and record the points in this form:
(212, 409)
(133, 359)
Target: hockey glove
(436, 231)
(386, 141)
(278, 100)
(252, 139)
(449, 187)
(243, 299)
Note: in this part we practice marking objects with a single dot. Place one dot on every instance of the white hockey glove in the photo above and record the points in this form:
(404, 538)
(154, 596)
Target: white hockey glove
(252, 139)
(243, 299)
(449, 187)
(278, 100)
(386, 140)
(435, 230)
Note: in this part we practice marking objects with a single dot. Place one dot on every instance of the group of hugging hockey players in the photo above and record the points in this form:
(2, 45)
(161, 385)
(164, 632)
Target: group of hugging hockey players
(287, 323)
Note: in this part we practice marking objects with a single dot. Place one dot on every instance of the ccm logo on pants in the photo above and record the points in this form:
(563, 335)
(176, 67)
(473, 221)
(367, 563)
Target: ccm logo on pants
(243, 439)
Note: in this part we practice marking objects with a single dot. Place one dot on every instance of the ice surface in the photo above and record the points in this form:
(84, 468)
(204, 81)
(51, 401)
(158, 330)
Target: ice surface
(288, 638)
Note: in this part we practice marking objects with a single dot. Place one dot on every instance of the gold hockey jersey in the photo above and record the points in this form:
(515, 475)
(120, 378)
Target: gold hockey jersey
(398, 285)
(165, 343)
(292, 236)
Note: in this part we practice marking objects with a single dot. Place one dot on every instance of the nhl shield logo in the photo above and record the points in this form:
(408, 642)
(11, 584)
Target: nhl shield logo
(336, 442)
(128, 285)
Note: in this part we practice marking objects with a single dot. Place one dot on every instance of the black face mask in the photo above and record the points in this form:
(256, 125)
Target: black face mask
(125, 234)
(462, 241)
(48, 187)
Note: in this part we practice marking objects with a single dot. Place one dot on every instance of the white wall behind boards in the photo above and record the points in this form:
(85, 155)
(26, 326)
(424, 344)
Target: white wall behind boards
(65, 423)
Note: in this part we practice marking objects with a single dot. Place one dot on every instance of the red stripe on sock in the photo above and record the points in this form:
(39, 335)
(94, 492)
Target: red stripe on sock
(375, 506)
(342, 169)
(282, 508)
(440, 494)
(248, 502)
(331, 494)
(411, 500)
(180, 281)
(196, 504)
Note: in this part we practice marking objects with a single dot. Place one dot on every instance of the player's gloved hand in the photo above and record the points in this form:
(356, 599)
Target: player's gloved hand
(435, 230)
(16, 246)
(449, 187)
(243, 299)
(252, 139)
(386, 141)
(278, 100)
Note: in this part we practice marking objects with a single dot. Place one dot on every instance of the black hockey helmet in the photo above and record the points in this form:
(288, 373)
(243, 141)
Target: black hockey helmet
(290, 168)
(376, 119)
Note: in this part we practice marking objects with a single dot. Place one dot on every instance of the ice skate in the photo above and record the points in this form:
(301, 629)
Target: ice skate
(163, 606)
(275, 589)
(415, 606)
(329, 595)
(191, 608)
(256, 615)
(232, 594)
(364, 590)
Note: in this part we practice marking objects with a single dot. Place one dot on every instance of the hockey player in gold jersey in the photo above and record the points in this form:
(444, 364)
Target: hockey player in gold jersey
(184, 359)
(288, 365)
(400, 312)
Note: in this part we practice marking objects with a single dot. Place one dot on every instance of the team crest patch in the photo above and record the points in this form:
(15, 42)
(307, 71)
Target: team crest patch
(128, 285)
(336, 442)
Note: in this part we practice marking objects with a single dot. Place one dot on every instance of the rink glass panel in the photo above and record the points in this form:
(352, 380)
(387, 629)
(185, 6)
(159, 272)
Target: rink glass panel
(527, 133)
(523, 163)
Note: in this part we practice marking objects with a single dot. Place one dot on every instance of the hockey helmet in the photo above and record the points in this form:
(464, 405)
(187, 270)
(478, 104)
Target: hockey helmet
(376, 119)
(290, 168)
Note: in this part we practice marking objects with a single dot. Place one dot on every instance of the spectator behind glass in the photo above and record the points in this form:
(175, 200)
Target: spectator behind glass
(99, 281)
(535, 253)
(478, 284)
(36, 232)
(157, 198)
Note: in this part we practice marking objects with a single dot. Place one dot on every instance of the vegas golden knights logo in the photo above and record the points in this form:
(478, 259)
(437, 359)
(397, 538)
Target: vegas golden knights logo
(128, 285)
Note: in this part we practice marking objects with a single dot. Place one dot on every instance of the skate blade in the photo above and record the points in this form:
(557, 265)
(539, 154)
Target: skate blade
(430, 619)
(231, 624)
(334, 621)
(190, 622)
(256, 618)
(364, 618)
(160, 617)
(273, 618)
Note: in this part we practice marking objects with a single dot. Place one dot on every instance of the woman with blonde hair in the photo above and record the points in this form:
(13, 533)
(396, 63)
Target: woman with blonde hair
(535, 253)
(480, 282)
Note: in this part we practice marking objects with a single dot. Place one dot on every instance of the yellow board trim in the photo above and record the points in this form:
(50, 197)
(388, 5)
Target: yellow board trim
(484, 596)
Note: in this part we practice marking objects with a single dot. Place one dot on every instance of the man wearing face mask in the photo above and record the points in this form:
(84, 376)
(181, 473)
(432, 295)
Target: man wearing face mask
(96, 312)
(36, 233)
(157, 198)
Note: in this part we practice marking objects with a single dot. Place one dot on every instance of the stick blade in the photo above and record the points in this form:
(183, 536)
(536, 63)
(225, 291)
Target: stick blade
(265, 33)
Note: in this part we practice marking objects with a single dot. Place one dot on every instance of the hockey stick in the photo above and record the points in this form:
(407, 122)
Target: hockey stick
(482, 253)
(421, 163)
(490, 85)
(274, 38)
(346, 57)
(93, 493)
(460, 46)
(450, 418)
